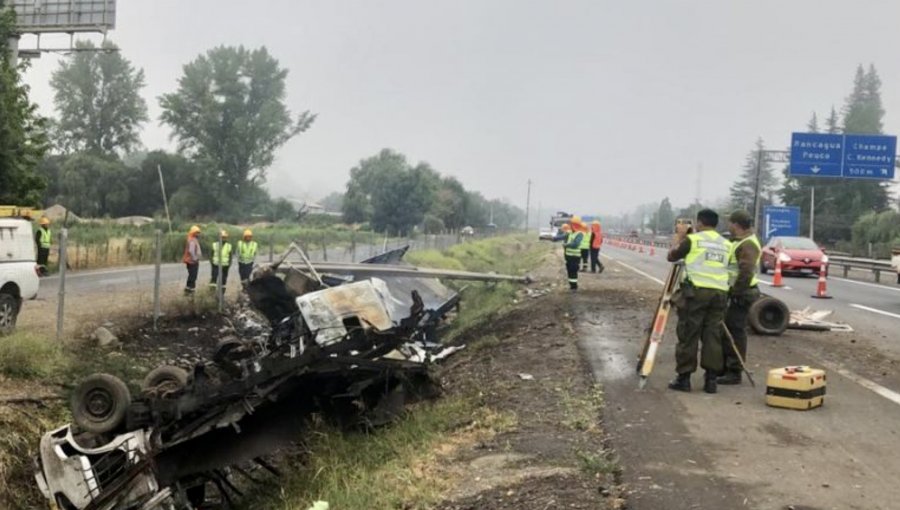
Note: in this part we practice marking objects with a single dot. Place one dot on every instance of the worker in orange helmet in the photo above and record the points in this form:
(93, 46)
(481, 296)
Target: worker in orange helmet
(572, 240)
(578, 225)
(247, 249)
(191, 258)
(596, 243)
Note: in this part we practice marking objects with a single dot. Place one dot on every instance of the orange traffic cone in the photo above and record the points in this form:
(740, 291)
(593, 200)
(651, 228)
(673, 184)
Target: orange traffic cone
(652, 251)
(822, 287)
(776, 279)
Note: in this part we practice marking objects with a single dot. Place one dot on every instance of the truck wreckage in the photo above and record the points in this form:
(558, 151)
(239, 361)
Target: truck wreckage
(344, 340)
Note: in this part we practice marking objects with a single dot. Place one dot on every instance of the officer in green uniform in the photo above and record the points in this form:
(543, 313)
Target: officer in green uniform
(743, 263)
(702, 300)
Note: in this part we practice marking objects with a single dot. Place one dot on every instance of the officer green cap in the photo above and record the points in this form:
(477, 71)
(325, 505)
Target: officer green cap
(742, 218)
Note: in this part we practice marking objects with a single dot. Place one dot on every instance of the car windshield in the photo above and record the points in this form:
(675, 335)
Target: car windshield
(798, 243)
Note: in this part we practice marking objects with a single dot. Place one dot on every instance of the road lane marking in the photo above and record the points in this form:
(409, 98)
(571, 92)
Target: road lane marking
(875, 310)
(875, 285)
(880, 390)
(770, 284)
(638, 271)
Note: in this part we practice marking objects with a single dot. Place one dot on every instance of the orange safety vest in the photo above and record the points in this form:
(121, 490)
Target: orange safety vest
(598, 236)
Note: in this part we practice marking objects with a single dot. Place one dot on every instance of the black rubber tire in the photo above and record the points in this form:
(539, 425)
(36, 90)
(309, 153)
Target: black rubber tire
(165, 379)
(99, 403)
(9, 312)
(762, 267)
(769, 316)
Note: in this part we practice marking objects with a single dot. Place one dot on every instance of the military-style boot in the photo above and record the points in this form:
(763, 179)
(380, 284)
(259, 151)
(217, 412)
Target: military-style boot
(709, 382)
(730, 378)
(681, 383)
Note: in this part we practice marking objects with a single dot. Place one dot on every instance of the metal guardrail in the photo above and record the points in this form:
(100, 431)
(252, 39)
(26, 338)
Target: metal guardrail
(848, 263)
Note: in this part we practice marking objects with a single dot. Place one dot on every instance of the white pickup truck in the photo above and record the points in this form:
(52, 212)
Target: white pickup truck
(18, 272)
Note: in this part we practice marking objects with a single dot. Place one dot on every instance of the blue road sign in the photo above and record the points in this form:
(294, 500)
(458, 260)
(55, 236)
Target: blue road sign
(869, 156)
(849, 156)
(780, 221)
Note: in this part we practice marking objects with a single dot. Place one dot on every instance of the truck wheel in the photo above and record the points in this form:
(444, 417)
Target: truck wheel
(9, 311)
(769, 316)
(164, 380)
(99, 403)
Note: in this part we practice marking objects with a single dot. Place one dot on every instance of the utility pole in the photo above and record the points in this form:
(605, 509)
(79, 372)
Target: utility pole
(756, 200)
(812, 213)
(527, 205)
(162, 186)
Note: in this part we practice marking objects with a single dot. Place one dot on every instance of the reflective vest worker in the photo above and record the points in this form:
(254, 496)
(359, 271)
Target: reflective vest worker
(220, 260)
(191, 258)
(43, 238)
(247, 249)
(585, 246)
(572, 251)
(702, 300)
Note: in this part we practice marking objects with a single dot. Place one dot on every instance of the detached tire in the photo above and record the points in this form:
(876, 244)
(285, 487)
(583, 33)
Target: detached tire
(99, 403)
(9, 311)
(165, 379)
(769, 316)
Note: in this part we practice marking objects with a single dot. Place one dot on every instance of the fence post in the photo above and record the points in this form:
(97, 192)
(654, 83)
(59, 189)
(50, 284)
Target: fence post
(156, 278)
(352, 246)
(271, 247)
(61, 301)
(324, 249)
(220, 293)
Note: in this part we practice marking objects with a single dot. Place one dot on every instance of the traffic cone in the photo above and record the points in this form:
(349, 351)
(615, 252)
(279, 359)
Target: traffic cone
(776, 279)
(652, 251)
(822, 287)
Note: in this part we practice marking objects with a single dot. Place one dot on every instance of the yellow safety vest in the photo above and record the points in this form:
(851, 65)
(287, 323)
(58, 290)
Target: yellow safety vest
(225, 259)
(706, 264)
(733, 263)
(573, 252)
(46, 238)
(586, 241)
(247, 251)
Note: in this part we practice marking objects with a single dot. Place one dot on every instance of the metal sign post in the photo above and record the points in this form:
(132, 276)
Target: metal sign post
(156, 280)
(61, 300)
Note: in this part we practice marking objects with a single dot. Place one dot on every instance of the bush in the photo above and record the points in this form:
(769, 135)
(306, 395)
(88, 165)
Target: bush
(28, 355)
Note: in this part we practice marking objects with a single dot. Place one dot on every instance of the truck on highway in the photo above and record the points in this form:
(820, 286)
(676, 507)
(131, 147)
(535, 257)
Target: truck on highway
(18, 271)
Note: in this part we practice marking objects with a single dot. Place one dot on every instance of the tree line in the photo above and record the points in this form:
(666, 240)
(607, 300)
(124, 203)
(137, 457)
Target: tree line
(392, 195)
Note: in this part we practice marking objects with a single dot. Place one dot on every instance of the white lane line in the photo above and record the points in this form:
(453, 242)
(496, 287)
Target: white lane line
(770, 285)
(880, 390)
(875, 310)
(636, 270)
(875, 285)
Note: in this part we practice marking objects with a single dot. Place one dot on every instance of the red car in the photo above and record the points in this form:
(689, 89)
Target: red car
(797, 254)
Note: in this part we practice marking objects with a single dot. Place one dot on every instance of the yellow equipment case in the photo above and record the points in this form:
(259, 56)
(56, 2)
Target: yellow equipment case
(798, 387)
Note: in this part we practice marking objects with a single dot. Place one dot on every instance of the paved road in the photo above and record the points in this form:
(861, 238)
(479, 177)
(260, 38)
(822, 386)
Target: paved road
(730, 451)
(871, 309)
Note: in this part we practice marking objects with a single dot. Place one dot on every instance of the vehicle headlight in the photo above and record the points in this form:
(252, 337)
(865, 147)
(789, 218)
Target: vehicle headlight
(784, 257)
(824, 259)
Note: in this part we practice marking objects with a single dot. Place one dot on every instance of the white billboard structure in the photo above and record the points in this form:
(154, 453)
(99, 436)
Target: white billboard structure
(58, 17)
(63, 16)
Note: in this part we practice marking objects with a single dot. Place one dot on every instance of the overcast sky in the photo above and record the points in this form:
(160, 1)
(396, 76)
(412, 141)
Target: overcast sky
(602, 104)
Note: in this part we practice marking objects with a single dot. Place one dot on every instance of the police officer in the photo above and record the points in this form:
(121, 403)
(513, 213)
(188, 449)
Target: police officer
(247, 249)
(220, 260)
(743, 263)
(702, 300)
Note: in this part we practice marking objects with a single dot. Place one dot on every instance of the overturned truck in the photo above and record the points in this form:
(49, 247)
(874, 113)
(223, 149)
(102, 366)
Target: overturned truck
(352, 341)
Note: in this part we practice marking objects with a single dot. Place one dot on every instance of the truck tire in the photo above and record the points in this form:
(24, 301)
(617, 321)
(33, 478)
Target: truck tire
(99, 403)
(165, 379)
(9, 312)
(769, 316)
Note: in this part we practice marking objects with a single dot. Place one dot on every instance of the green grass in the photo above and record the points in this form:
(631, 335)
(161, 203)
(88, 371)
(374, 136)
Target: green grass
(30, 355)
(393, 467)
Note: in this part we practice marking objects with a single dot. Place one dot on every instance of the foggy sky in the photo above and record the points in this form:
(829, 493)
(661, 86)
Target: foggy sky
(602, 104)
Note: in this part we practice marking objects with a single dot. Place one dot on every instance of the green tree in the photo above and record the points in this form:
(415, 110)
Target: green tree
(333, 202)
(23, 137)
(95, 186)
(663, 220)
(743, 190)
(229, 114)
(97, 95)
